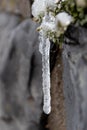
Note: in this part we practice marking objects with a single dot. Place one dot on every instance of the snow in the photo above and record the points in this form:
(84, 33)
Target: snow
(38, 8)
(64, 19)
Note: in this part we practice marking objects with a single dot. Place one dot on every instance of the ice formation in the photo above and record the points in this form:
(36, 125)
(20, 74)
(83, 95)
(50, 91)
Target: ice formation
(50, 25)
(45, 50)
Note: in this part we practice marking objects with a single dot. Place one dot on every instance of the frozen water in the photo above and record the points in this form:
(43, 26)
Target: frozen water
(45, 51)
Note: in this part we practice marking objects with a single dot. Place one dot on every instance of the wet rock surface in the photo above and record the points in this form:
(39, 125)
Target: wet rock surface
(20, 74)
(75, 77)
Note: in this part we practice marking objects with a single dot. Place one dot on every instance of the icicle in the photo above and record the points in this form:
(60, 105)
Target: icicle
(52, 27)
(44, 48)
(45, 51)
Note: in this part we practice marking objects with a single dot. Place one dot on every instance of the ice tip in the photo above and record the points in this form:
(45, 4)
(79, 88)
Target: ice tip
(47, 109)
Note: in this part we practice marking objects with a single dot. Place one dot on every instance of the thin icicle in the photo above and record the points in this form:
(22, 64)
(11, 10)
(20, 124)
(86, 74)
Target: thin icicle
(45, 51)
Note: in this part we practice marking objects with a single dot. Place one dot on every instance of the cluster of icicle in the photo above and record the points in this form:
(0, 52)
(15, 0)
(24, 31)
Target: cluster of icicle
(49, 23)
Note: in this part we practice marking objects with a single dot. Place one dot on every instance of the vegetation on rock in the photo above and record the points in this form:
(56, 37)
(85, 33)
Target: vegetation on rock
(56, 15)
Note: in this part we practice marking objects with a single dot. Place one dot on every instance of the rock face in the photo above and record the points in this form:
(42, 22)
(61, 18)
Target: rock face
(20, 74)
(75, 77)
(22, 6)
(57, 117)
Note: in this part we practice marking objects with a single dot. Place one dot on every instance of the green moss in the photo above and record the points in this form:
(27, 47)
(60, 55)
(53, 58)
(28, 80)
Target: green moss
(78, 13)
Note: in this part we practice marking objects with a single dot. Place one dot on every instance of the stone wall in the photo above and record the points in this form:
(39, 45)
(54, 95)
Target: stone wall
(20, 62)
(75, 77)
(20, 72)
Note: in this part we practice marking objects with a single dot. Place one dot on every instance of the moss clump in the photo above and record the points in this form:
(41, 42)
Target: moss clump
(78, 13)
(56, 18)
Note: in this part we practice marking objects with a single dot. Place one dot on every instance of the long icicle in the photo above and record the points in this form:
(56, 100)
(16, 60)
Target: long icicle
(45, 51)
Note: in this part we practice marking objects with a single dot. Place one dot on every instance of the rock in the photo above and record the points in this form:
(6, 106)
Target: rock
(75, 77)
(57, 117)
(21, 6)
(76, 35)
(20, 74)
